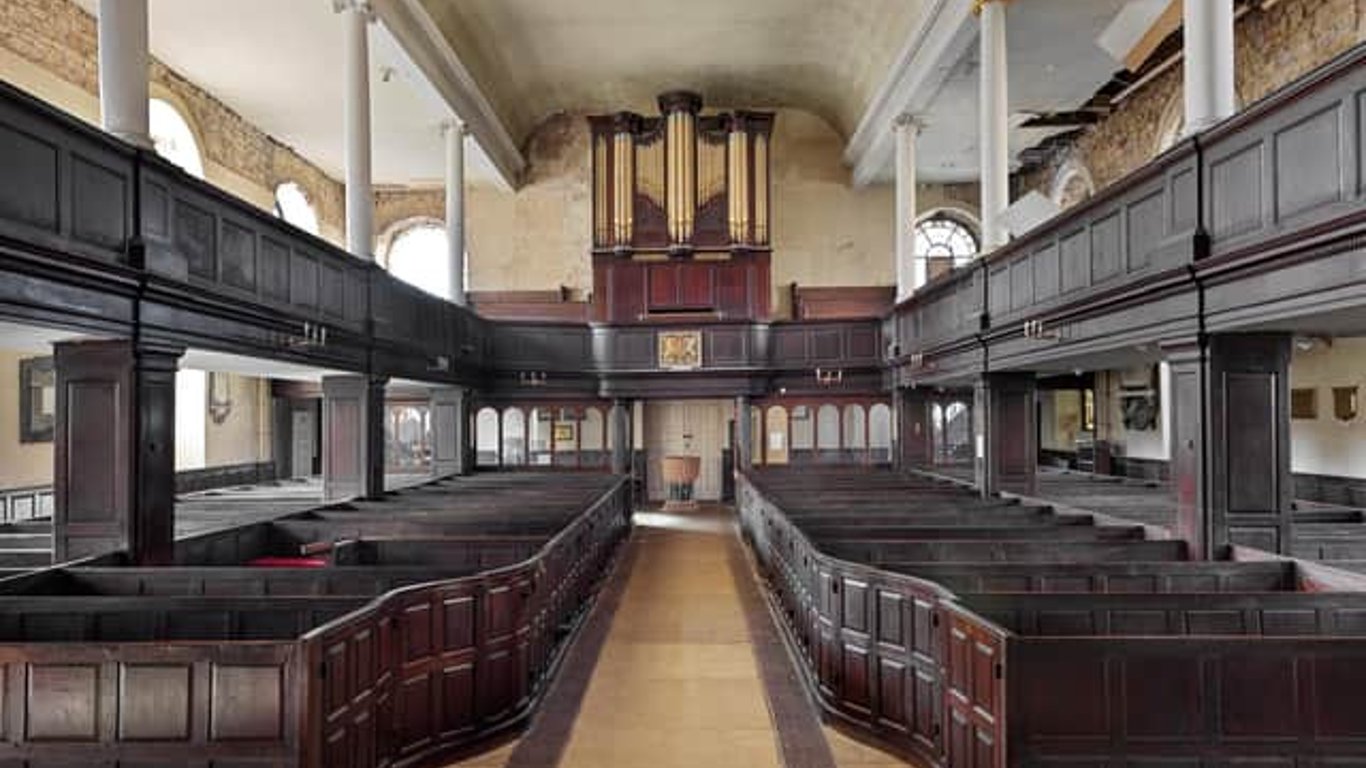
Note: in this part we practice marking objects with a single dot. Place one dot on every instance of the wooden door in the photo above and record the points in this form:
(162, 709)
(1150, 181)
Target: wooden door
(691, 427)
(302, 451)
(975, 693)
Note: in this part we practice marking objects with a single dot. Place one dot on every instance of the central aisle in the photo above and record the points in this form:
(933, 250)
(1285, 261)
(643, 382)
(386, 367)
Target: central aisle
(690, 673)
(676, 683)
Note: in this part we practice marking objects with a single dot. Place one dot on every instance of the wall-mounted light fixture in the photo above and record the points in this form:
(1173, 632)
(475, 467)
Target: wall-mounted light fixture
(531, 378)
(828, 378)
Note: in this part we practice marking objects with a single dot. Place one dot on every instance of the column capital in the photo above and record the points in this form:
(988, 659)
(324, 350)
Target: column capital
(979, 5)
(908, 122)
(362, 7)
(454, 124)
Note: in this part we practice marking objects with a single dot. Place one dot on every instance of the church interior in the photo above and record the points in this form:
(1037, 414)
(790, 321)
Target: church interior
(606, 384)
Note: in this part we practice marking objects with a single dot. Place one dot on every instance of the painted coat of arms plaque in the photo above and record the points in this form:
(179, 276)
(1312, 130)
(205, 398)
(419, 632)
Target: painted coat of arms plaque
(680, 350)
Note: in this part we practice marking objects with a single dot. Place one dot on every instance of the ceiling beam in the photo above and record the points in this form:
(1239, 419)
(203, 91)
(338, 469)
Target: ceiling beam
(934, 48)
(1163, 26)
(430, 51)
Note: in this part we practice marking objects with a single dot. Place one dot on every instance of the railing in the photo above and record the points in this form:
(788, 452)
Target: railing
(1184, 244)
(99, 235)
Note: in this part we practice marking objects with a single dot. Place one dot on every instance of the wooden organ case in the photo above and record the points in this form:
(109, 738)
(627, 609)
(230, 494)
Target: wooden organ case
(681, 212)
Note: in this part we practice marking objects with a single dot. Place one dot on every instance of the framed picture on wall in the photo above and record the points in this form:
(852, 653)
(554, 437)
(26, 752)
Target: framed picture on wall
(37, 400)
(564, 432)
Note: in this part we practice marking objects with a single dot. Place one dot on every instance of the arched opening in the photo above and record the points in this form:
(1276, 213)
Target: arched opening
(173, 138)
(828, 434)
(803, 425)
(880, 433)
(944, 241)
(539, 436)
(418, 255)
(775, 428)
(855, 433)
(291, 205)
(593, 438)
(486, 443)
(514, 444)
(1072, 185)
(407, 438)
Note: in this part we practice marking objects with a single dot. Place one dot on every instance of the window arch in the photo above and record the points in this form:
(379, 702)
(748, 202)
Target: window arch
(1072, 185)
(173, 138)
(417, 255)
(291, 205)
(944, 242)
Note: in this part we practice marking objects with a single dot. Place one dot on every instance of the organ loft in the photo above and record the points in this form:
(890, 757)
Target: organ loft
(435, 384)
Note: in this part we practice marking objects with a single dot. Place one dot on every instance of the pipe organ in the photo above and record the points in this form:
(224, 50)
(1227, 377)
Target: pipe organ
(681, 208)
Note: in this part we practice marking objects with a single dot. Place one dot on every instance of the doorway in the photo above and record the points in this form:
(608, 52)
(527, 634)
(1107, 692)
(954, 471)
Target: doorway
(687, 427)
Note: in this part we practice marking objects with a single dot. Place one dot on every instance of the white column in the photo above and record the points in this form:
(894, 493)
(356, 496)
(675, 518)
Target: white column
(1210, 94)
(123, 61)
(455, 208)
(360, 199)
(994, 128)
(910, 271)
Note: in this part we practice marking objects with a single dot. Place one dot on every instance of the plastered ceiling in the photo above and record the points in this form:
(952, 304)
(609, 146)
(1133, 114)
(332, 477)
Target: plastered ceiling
(534, 58)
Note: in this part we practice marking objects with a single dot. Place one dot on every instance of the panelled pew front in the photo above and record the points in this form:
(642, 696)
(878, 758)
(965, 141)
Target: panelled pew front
(1022, 650)
(392, 664)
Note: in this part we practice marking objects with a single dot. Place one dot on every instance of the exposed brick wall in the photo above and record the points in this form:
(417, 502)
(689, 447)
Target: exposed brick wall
(61, 37)
(1274, 46)
(396, 206)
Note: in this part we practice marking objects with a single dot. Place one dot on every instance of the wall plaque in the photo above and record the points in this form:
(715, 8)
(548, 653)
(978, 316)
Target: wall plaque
(680, 350)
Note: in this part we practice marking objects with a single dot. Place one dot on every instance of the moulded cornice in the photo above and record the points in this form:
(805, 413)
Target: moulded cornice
(415, 30)
(925, 62)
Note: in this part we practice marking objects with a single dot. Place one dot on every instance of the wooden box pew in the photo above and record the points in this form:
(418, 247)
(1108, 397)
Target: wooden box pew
(468, 552)
(397, 527)
(403, 677)
(134, 619)
(225, 582)
(998, 508)
(1329, 541)
(23, 559)
(1019, 551)
(901, 655)
(1123, 577)
(1270, 614)
(912, 531)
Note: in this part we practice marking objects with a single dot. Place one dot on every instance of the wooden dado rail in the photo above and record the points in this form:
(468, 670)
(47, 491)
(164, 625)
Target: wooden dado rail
(397, 680)
(1192, 673)
(1239, 224)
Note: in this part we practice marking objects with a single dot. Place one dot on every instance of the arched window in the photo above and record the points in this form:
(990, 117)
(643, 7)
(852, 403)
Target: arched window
(172, 137)
(486, 438)
(417, 256)
(291, 204)
(944, 242)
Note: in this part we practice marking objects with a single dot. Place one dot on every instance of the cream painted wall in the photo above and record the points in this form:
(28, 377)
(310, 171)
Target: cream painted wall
(539, 237)
(21, 464)
(1326, 446)
(825, 232)
(244, 437)
(1147, 444)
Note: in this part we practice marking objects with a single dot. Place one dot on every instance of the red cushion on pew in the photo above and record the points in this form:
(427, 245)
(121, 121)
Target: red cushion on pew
(288, 562)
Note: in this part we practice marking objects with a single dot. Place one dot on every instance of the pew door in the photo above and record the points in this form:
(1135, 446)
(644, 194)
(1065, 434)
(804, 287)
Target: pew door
(975, 692)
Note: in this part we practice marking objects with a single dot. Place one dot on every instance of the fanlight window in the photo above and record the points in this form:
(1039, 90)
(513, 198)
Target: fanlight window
(172, 137)
(944, 242)
(418, 257)
(292, 205)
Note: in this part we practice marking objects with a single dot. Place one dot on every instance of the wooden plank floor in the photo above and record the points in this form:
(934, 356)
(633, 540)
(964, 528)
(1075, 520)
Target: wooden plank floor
(688, 671)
